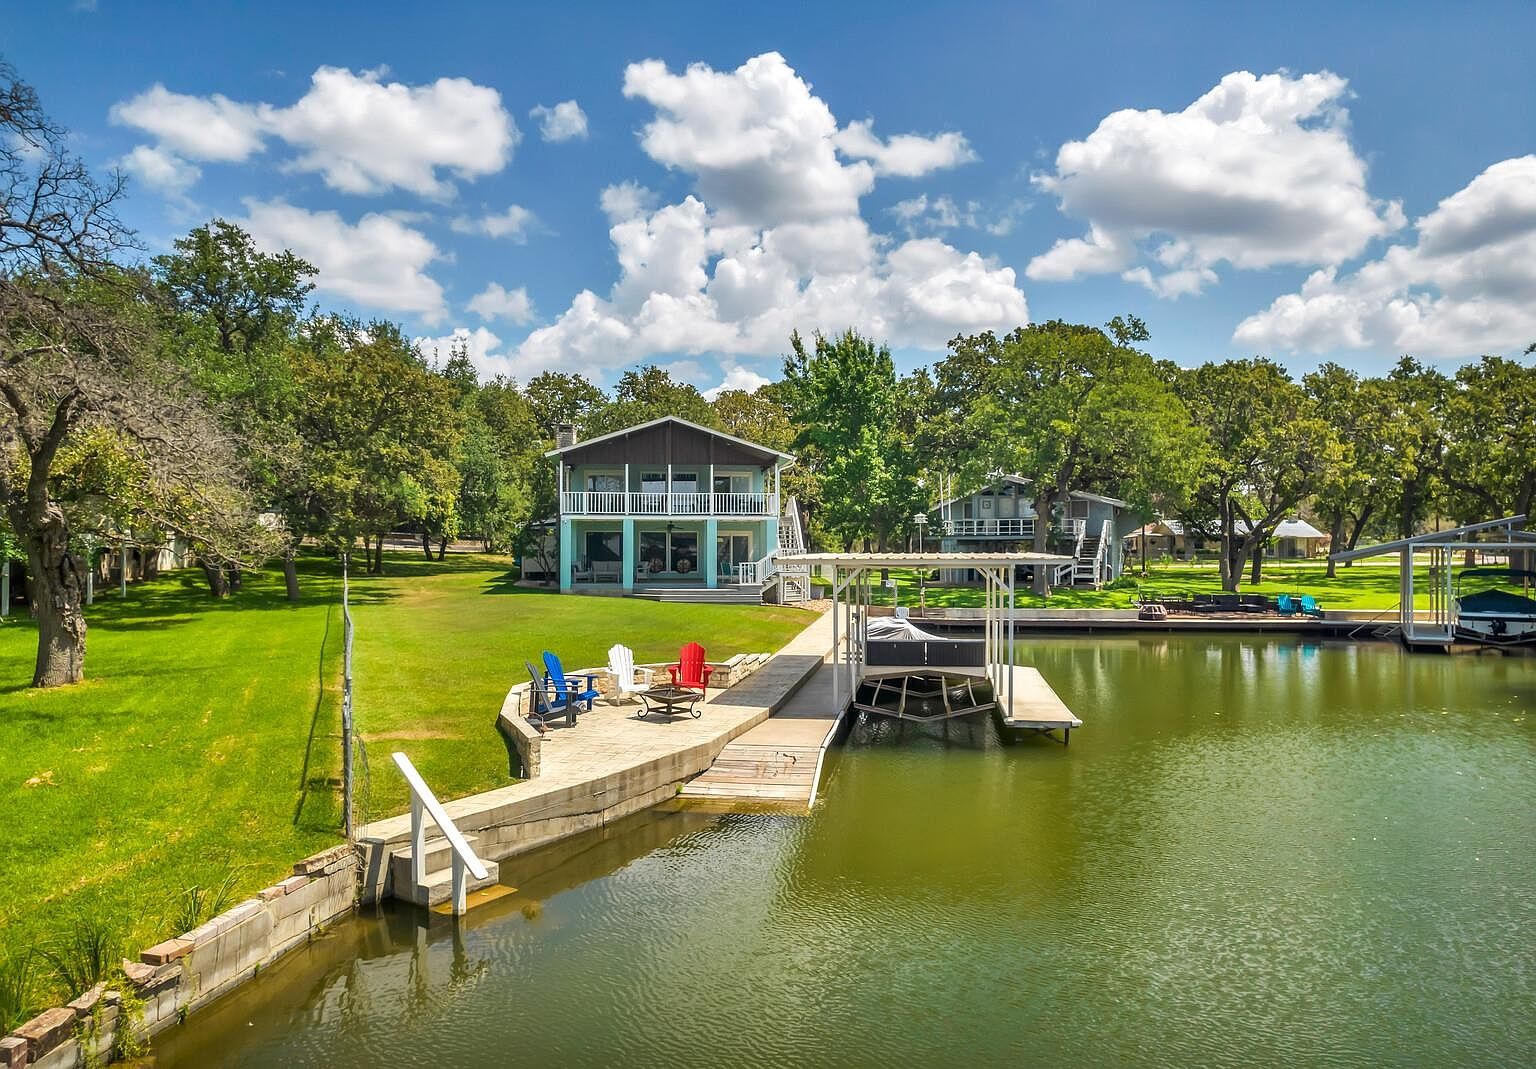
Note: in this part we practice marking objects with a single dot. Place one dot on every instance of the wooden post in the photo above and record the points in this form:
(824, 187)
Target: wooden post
(122, 572)
(5, 588)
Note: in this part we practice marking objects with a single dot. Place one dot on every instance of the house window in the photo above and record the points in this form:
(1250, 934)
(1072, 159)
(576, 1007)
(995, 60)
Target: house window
(675, 552)
(733, 483)
(605, 483)
(685, 552)
(653, 482)
(685, 482)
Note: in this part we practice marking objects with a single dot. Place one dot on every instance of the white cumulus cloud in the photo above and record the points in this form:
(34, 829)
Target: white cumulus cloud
(737, 377)
(905, 155)
(212, 128)
(1467, 286)
(360, 133)
(161, 170)
(771, 239)
(377, 261)
(495, 302)
(1259, 171)
(563, 122)
(512, 224)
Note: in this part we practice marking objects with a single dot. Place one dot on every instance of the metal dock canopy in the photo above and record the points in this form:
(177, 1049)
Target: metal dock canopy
(850, 574)
(1441, 547)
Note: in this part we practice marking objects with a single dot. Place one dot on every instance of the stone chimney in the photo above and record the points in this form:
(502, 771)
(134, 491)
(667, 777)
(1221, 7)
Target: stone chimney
(565, 435)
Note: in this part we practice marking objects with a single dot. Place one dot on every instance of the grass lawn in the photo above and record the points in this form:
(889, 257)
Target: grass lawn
(1365, 586)
(204, 741)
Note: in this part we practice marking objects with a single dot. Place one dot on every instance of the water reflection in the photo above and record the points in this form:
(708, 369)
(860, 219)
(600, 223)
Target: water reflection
(1254, 852)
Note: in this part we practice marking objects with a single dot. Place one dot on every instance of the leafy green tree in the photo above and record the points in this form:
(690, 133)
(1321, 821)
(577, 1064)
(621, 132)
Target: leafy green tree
(758, 416)
(845, 400)
(80, 359)
(1066, 407)
(381, 431)
(648, 393)
(1490, 422)
(1269, 451)
(232, 318)
(559, 397)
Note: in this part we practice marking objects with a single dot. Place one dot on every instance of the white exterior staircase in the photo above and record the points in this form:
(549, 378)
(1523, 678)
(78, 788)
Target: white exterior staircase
(794, 581)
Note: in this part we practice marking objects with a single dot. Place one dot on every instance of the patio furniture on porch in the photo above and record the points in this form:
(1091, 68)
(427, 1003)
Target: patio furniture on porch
(569, 692)
(544, 703)
(690, 669)
(627, 679)
(607, 571)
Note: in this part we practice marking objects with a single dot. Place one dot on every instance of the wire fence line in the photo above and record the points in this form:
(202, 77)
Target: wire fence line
(346, 701)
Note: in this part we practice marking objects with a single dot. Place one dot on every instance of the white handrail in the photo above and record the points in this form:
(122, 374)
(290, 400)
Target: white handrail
(422, 798)
(1101, 559)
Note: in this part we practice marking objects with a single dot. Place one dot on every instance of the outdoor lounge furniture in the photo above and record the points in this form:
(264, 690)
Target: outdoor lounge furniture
(544, 703)
(690, 669)
(607, 571)
(1310, 607)
(568, 692)
(627, 679)
(1254, 603)
(1285, 605)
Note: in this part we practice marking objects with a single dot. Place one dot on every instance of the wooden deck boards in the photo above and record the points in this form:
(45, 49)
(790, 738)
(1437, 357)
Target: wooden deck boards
(1035, 704)
(777, 761)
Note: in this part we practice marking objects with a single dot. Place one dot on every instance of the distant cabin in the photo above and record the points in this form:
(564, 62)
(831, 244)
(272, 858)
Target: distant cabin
(1001, 517)
(1294, 539)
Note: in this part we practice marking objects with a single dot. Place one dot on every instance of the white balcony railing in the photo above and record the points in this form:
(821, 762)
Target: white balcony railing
(648, 503)
(1023, 527)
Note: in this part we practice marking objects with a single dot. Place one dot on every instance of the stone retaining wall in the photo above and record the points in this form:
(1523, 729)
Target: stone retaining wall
(177, 977)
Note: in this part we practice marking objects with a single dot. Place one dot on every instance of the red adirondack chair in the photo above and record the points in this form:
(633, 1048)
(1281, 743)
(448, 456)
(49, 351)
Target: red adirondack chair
(690, 670)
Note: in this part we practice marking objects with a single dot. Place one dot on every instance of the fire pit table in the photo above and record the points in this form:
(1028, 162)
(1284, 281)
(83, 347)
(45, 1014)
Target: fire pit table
(670, 701)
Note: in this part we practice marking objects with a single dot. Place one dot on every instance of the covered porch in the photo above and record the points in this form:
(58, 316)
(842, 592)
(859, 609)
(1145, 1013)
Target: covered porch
(625, 553)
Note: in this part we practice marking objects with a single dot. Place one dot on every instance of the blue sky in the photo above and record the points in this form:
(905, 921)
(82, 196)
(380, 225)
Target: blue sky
(1312, 181)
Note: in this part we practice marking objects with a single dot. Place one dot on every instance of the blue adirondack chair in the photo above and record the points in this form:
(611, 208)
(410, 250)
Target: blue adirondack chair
(542, 704)
(1309, 606)
(569, 692)
(1285, 605)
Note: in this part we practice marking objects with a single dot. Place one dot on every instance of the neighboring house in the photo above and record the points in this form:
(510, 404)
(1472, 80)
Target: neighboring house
(1001, 517)
(1294, 539)
(673, 508)
(1163, 538)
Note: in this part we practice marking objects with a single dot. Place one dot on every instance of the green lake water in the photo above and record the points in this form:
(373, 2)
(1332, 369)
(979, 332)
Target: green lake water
(1254, 853)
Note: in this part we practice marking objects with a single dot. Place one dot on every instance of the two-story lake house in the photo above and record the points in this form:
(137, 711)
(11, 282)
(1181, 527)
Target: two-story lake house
(674, 510)
(1001, 518)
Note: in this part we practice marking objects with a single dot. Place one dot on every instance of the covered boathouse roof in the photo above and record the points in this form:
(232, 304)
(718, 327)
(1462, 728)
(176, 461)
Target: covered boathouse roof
(670, 437)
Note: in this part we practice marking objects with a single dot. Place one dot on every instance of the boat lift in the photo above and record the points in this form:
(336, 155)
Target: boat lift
(851, 576)
(1440, 547)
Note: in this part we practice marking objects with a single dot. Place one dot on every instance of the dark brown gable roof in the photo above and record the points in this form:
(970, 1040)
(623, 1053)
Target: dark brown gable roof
(669, 440)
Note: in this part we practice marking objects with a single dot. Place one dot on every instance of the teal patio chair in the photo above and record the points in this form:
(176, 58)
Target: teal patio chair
(1285, 605)
(1310, 607)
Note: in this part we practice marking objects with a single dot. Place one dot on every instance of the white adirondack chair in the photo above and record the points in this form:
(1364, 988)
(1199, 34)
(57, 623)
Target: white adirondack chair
(627, 679)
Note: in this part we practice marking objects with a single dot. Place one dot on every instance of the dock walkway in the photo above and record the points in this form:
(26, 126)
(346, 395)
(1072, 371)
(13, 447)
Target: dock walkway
(1036, 707)
(779, 761)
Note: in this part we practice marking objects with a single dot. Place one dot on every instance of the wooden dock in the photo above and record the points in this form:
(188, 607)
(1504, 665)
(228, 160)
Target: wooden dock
(1035, 707)
(778, 763)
